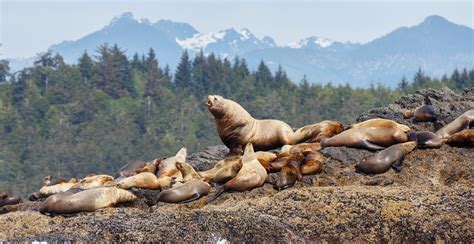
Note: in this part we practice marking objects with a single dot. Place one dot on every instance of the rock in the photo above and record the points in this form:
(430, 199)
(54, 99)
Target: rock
(208, 158)
(429, 200)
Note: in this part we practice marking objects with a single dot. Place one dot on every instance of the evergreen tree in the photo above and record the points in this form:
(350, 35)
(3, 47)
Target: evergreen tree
(456, 79)
(403, 85)
(153, 74)
(200, 82)
(86, 66)
(263, 76)
(4, 70)
(182, 78)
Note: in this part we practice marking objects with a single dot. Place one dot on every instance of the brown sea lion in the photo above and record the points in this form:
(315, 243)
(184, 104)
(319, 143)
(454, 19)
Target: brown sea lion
(425, 139)
(371, 138)
(188, 172)
(9, 197)
(312, 163)
(251, 175)
(283, 159)
(208, 175)
(316, 132)
(423, 113)
(48, 190)
(92, 181)
(167, 167)
(145, 180)
(189, 191)
(236, 127)
(465, 121)
(86, 200)
(136, 167)
(383, 160)
(379, 123)
(305, 148)
(464, 138)
(228, 172)
(288, 175)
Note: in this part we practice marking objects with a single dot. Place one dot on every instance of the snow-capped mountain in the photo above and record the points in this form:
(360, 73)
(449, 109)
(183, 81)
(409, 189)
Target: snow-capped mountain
(436, 45)
(229, 42)
(312, 42)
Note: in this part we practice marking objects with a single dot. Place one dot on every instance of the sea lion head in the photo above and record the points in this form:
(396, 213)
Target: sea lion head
(216, 105)
(408, 146)
(47, 180)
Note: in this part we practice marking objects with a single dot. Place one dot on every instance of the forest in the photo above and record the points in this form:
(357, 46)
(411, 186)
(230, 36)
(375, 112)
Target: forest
(69, 120)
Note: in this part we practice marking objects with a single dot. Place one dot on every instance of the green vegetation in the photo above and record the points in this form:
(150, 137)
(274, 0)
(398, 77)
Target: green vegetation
(71, 120)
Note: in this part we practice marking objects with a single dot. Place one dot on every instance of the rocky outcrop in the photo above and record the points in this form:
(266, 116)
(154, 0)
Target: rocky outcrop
(430, 199)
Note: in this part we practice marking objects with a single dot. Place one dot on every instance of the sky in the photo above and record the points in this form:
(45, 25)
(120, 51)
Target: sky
(30, 27)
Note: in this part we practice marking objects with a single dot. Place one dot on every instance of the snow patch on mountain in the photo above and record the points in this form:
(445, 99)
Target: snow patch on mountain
(200, 41)
(320, 41)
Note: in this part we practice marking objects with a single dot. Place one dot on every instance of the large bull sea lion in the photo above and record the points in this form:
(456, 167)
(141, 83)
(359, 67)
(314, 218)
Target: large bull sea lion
(236, 127)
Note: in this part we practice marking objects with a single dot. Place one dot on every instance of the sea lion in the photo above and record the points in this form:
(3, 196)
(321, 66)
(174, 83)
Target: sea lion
(187, 171)
(371, 138)
(423, 113)
(383, 160)
(167, 167)
(288, 175)
(228, 172)
(208, 175)
(379, 123)
(251, 175)
(312, 163)
(464, 138)
(86, 200)
(236, 127)
(189, 191)
(305, 148)
(465, 121)
(136, 167)
(92, 181)
(318, 131)
(9, 197)
(49, 189)
(145, 180)
(283, 159)
(425, 139)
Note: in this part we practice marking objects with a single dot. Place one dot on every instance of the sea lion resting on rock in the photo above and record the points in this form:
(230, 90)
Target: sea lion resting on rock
(465, 121)
(422, 113)
(379, 123)
(288, 175)
(49, 189)
(167, 175)
(228, 167)
(137, 167)
(371, 138)
(93, 180)
(312, 163)
(251, 175)
(425, 139)
(187, 192)
(464, 138)
(85, 200)
(236, 127)
(9, 197)
(383, 160)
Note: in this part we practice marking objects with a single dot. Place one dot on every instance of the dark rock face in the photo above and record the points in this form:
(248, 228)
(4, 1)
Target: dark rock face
(430, 199)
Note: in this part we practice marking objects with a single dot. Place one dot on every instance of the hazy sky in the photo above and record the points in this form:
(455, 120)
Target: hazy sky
(29, 27)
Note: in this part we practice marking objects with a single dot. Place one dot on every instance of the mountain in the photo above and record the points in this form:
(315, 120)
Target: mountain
(436, 45)
(226, 43)
(135, 36)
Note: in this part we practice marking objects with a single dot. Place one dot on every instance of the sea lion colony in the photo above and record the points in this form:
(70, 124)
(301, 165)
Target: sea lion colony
(295, 153)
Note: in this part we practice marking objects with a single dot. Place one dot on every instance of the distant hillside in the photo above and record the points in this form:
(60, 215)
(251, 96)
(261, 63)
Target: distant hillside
(436, 45)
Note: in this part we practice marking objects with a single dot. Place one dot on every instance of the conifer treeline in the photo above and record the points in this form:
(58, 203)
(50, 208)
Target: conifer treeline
(94, 116)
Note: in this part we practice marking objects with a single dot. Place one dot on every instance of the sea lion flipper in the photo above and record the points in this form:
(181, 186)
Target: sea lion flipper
(219, 191)
(369, 145)
(194, 197)
(397, 165)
